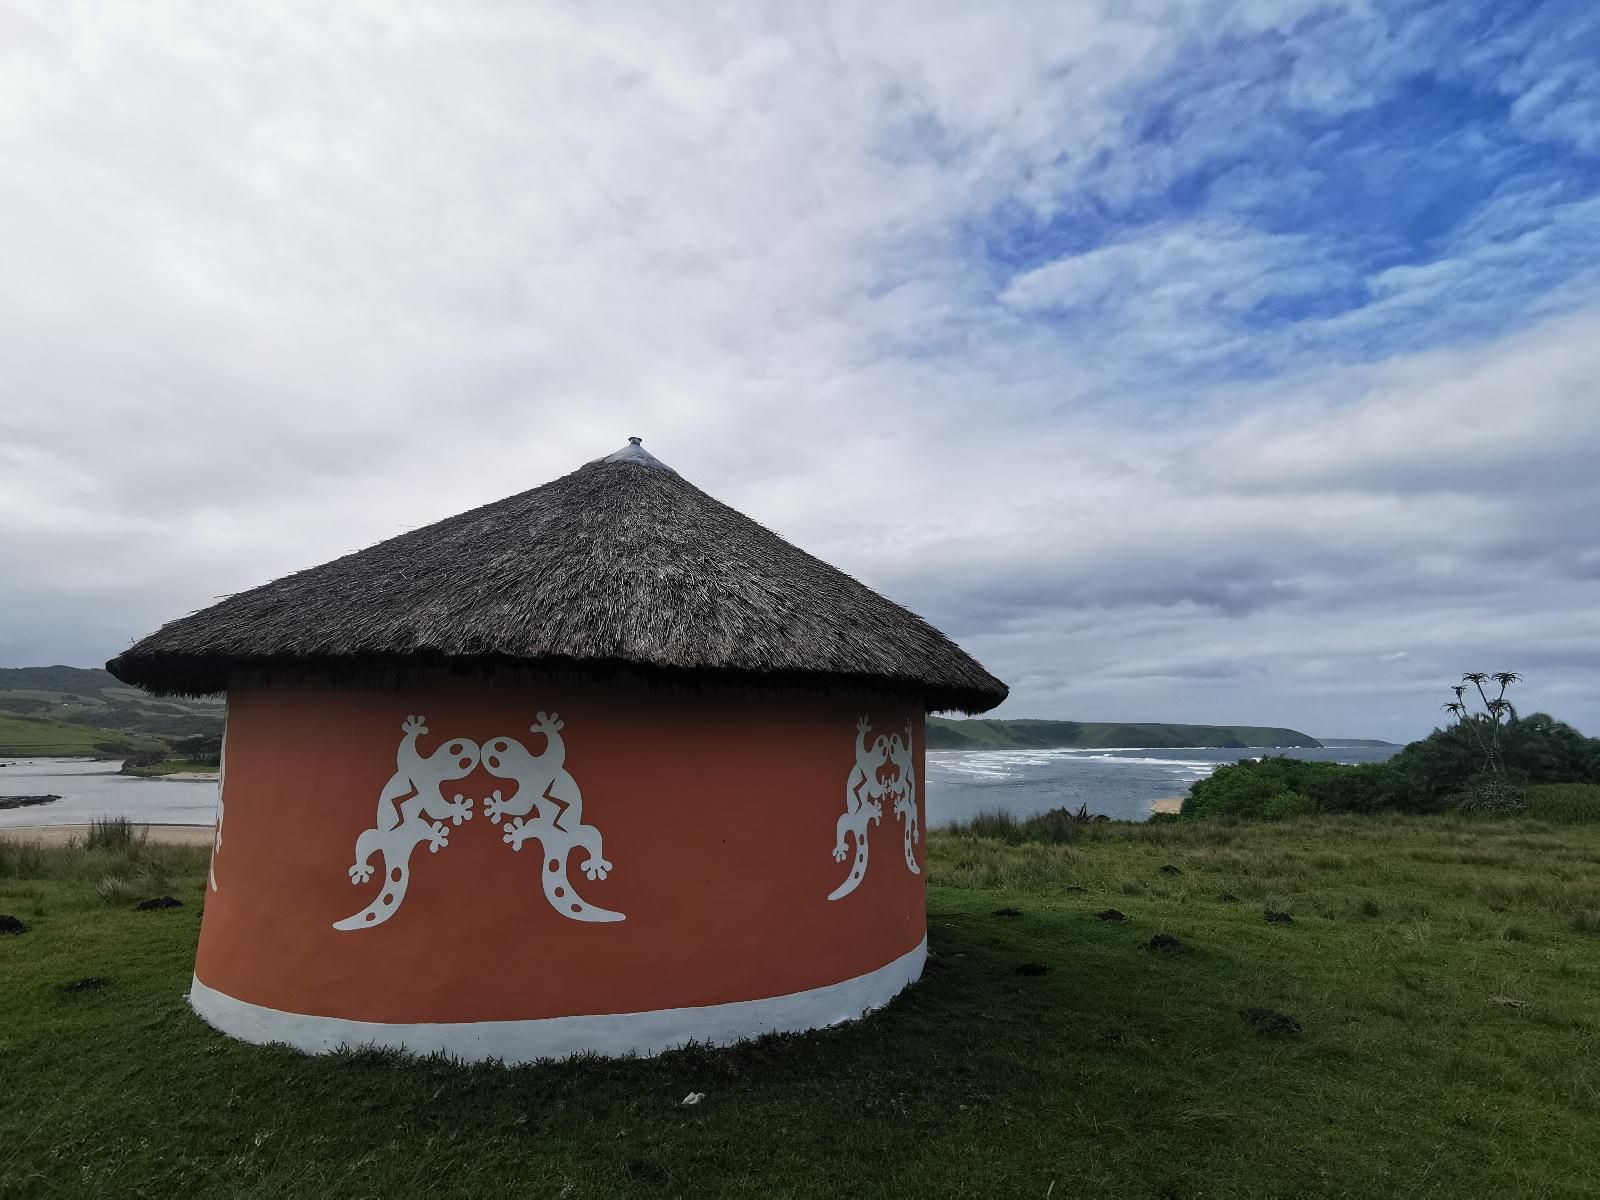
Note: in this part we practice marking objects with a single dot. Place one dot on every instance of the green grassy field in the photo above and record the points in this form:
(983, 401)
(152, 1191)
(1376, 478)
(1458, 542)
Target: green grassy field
(1446, 974)
(22, 737)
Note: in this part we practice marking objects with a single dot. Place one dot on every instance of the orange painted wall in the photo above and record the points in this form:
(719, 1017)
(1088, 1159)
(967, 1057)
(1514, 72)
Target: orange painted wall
(717, 808)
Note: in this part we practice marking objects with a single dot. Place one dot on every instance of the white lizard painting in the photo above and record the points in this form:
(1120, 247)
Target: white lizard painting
(863, 796)
(411, 795)
(222, 780)
(905, 796)
(543, 783)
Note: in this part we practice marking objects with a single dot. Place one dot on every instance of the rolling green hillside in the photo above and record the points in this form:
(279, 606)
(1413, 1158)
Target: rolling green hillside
(979, 734)
(92, 698)
(38, 737)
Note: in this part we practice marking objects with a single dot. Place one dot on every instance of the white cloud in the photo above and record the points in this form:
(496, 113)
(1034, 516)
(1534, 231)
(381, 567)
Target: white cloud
(282, 285)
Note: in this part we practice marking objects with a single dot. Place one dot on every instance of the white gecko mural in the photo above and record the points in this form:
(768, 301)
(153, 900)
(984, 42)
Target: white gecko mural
(222, 779)
(864, 792)
(544, 787)
(411, 795)
(544, 784)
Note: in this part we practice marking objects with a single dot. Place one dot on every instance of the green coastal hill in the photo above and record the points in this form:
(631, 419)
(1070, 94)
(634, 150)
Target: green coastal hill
(945, 733)
(84, 710)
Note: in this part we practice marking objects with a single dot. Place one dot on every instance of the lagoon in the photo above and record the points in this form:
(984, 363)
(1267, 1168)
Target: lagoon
(91, 788)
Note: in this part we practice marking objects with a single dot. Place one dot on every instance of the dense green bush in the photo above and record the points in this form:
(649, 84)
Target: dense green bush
(1535, 749)
(1443, 771)
(1273, 788)
(1287, 804)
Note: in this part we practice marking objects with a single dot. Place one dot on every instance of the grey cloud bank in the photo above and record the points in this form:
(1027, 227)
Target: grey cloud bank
(281, 287)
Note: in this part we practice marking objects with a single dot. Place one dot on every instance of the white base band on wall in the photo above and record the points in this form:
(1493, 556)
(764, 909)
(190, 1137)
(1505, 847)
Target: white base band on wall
(642, 1033)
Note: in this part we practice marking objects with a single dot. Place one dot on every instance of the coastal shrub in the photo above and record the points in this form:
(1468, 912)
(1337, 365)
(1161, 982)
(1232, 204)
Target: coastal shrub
(1363, 788)
(1442, 772)
(1243, 789)
(203, 748)
(1287, 804)
(1490, 795)
(1283, 787)
(1536, 749)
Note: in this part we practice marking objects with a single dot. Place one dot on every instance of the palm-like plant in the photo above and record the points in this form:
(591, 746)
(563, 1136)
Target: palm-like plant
(1497, 712)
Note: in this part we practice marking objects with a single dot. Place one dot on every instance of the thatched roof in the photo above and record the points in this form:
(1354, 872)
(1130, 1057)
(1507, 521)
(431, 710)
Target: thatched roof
(621, 564)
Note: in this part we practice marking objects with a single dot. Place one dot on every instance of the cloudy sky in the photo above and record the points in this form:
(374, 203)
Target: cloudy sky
(1185, 361)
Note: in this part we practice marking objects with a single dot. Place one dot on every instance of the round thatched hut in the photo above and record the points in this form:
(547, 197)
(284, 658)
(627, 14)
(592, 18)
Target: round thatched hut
(604, 766)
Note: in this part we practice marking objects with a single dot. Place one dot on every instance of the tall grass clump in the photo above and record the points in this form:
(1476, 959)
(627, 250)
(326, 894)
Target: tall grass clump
(116, 834)
(1058, 827)
(1563, 803)
(19, 859)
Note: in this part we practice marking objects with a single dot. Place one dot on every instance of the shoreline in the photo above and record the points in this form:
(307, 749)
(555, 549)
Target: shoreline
(1167, 804)
(59, 835)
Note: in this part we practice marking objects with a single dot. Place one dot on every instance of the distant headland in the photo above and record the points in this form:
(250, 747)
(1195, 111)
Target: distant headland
(980, 734)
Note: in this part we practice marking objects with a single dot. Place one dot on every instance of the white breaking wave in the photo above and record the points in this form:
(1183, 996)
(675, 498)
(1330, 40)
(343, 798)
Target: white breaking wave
(1005, 764)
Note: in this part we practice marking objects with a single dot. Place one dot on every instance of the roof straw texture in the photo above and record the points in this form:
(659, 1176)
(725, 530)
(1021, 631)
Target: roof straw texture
(622, 563)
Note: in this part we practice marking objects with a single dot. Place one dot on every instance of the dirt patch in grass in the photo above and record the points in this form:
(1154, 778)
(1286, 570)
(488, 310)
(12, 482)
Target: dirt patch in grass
(1269, 1022)
(89, 983)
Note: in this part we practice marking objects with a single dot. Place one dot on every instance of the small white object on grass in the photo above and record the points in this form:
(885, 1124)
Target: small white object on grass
(694, 1098)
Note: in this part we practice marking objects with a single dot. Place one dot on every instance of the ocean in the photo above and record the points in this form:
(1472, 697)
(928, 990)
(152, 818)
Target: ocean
(1119, 783)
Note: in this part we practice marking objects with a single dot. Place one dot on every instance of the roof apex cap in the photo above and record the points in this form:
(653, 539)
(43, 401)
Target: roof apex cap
(635, 452)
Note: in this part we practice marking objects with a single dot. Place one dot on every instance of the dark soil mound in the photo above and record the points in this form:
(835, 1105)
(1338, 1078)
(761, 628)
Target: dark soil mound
(1110, 914)
(1269, 1022)
(1164, 943)
(1008, 912)
(1033, 969)
(1169, 869)
(10, 924)
(1278, 918)
(160, 902)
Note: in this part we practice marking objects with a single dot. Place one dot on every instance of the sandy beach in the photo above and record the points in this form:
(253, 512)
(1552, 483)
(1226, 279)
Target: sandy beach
(58, 835)
(1170, 804)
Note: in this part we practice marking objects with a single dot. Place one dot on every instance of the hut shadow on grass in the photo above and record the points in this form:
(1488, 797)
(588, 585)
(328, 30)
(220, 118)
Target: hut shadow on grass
(971, 1031)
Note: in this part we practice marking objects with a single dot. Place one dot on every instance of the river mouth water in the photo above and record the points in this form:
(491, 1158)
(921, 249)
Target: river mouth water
(1121, 783)
(90, 789)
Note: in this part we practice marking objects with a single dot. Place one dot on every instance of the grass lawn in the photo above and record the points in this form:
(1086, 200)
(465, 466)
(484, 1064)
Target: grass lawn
(38, 737)
(1446, 974)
